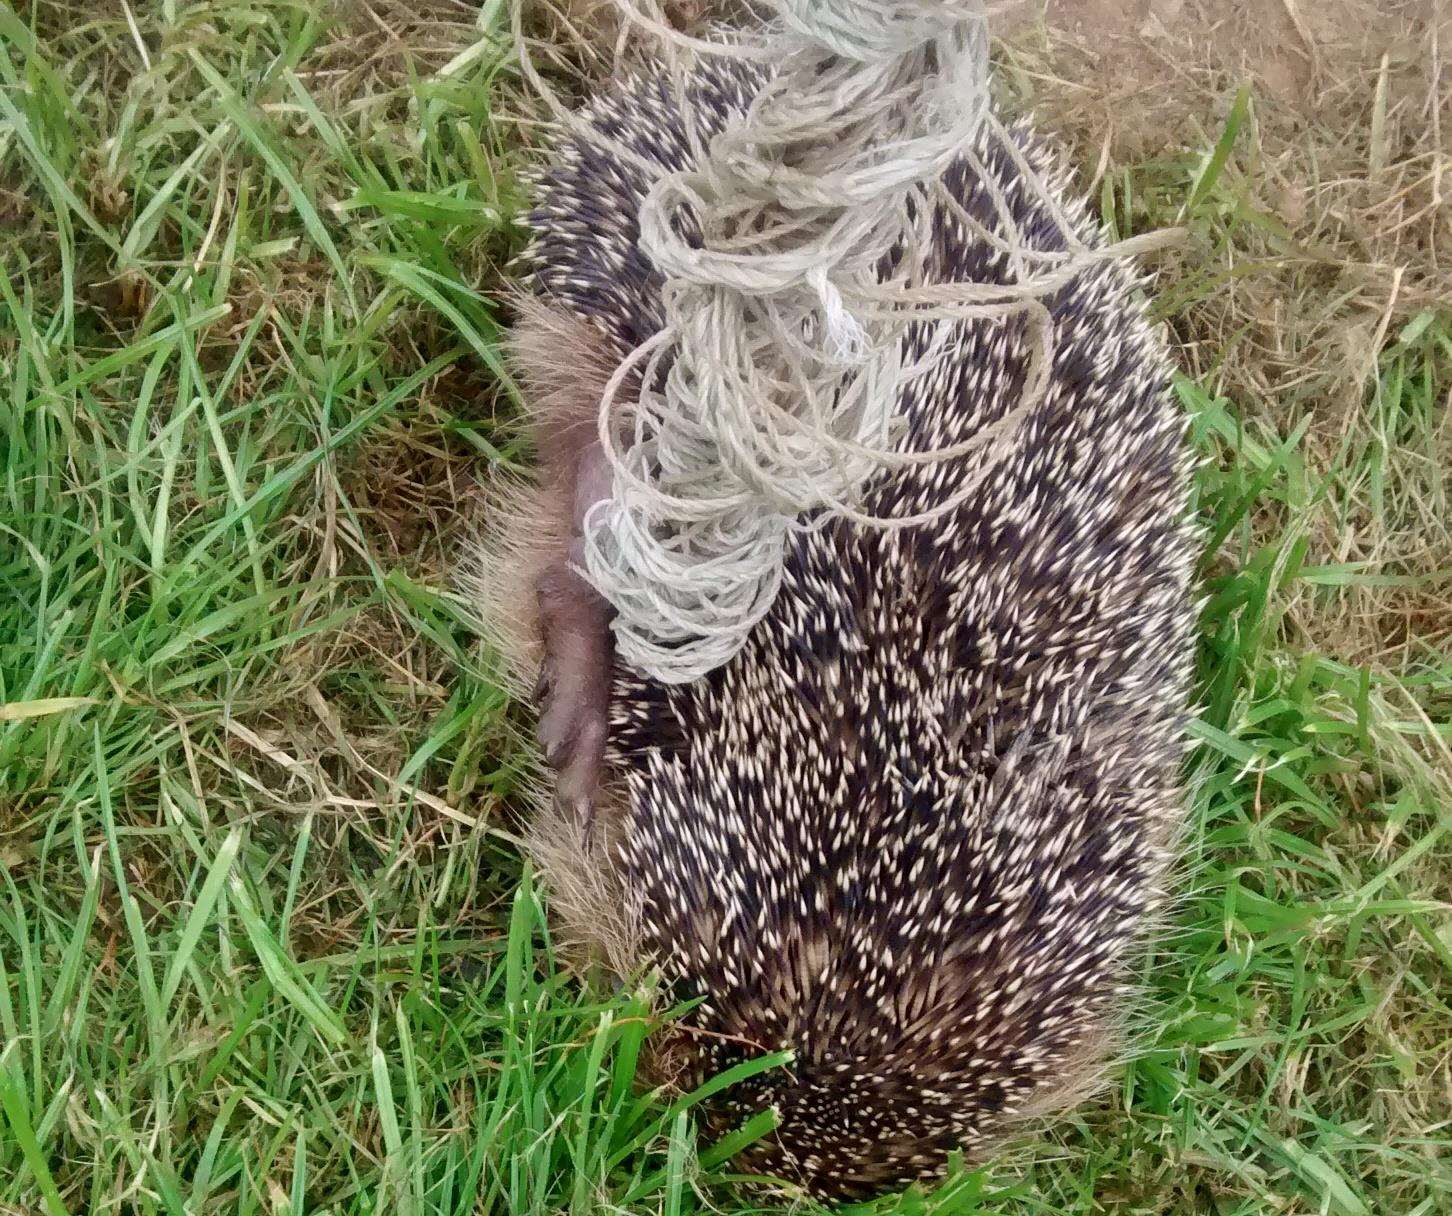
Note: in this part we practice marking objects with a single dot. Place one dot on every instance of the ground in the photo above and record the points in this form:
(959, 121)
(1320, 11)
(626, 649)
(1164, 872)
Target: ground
(266, 943)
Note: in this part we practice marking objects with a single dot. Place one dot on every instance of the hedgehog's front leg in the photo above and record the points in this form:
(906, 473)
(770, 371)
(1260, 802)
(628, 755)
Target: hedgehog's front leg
(574, 685)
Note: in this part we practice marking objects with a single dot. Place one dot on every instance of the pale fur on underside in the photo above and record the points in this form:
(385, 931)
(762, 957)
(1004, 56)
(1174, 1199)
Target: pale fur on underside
(562, 368)
(562, 365)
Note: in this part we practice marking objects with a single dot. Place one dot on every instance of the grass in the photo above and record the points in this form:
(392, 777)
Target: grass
(266, 942)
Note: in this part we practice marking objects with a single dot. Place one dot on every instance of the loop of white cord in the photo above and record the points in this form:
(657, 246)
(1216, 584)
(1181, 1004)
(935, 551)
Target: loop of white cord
(774, 390)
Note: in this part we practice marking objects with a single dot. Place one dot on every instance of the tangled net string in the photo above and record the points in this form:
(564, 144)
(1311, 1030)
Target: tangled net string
(782, 349)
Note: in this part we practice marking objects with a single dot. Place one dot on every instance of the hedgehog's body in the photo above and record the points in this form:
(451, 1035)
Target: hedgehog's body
(914, 830)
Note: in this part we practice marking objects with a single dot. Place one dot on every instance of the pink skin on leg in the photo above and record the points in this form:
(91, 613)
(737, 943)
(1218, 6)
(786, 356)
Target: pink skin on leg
(574, 687)
(564, 366)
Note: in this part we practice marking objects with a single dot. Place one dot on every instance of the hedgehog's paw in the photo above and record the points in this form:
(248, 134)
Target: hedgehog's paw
(574, 685)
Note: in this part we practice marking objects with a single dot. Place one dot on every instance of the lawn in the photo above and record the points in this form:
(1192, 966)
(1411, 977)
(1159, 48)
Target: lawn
(267, 944)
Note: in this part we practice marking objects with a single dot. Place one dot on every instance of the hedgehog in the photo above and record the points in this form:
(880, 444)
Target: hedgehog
(915, 831)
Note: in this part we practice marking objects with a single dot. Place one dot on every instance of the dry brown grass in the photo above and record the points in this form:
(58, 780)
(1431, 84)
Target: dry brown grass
(1343, 236)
